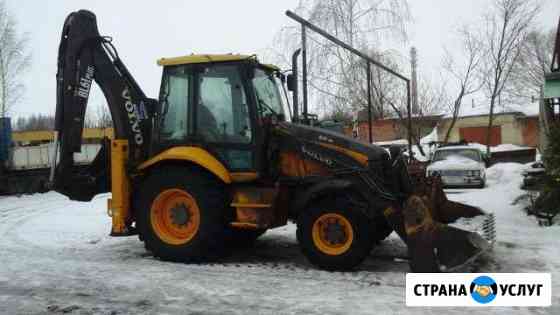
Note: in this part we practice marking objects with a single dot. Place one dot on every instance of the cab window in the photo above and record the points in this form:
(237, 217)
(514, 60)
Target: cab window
(223, 112)
(175, 98)
(266, 93)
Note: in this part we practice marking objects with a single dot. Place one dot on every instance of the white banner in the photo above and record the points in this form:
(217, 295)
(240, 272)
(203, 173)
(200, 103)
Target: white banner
(478, 289)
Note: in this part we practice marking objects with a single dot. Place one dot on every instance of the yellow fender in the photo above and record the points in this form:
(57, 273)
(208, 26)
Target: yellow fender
(195, 155)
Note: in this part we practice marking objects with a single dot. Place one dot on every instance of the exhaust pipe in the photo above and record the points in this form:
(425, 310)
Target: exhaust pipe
(54, 157)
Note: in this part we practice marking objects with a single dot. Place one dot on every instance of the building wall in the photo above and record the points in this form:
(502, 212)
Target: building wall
(530, 131)
(381, 130)
(480, 135)
(513, 129)
(394, 129)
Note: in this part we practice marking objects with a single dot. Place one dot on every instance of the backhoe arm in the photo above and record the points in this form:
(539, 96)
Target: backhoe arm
(83, 57)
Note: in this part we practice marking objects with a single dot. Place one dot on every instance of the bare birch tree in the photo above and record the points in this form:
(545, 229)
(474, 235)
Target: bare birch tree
(506, 29)
(337, 77)
(534, 60)
(104, 119)
(98, 117)
(432, 98)
(14, 60)
(464, 74)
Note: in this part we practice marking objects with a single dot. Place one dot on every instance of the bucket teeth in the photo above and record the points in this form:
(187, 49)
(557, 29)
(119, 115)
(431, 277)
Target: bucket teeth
(488, 228)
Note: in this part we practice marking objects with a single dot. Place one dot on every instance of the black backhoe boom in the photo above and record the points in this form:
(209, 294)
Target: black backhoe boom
(83, 57)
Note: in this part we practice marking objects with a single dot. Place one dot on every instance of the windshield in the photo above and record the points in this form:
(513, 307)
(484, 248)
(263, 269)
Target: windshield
(471, 154)
(267, 94)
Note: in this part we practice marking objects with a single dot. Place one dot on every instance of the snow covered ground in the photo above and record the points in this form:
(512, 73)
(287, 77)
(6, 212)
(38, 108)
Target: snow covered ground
(56, 257)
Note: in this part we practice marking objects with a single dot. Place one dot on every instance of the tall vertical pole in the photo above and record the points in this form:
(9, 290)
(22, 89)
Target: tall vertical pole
(414, 81)
(409, 112)
(304, 71)
(369, 101)
(295, 93)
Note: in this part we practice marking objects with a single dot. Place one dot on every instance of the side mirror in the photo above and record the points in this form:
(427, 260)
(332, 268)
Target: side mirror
(291, 82)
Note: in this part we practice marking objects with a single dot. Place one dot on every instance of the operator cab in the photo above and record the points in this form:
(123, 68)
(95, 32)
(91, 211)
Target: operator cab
(217, 102)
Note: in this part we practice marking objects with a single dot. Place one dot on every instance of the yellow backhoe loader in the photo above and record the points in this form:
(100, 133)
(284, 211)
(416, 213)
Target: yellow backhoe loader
(215, 161)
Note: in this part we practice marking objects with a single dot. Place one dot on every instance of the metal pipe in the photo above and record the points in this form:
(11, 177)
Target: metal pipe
(304, 23)
(304, 72)
(296, 86)
(409, 112)
(54, 157)
(369, 101)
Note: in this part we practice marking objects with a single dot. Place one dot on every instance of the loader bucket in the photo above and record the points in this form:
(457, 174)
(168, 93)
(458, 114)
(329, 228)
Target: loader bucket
(441, 235)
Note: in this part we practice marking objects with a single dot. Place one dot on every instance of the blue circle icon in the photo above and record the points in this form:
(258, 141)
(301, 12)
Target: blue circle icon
(483, 289)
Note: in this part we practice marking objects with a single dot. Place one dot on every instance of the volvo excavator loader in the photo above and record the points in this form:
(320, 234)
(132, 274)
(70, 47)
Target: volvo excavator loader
(214, 162)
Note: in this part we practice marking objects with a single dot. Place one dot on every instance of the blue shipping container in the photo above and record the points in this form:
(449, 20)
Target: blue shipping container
(5, 138)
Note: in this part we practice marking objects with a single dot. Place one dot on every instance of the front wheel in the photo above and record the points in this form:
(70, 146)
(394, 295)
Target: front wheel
(335, 236)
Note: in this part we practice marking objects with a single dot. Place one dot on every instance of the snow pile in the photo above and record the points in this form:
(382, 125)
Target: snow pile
(508, 147)
(431, 137)
(499, 148)
(392, 142)
(506, 175)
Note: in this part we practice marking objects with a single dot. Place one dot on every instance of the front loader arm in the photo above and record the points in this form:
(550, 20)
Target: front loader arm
(83, 57)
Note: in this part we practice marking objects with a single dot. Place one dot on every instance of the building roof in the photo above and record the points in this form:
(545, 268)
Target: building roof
(528, 110)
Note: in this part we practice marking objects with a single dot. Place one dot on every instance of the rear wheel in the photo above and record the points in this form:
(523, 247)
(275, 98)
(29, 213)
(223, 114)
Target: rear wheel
(335, 236)
(181, 214)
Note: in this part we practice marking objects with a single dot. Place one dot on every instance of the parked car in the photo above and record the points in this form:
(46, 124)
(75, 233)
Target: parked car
(459, 166)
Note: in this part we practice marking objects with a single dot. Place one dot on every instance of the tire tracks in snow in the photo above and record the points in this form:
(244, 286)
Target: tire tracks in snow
(118, 274)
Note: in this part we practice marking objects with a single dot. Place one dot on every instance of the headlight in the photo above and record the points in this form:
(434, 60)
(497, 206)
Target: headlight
(474, 173)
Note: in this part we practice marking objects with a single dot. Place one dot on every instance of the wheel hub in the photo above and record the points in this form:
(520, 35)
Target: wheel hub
(334, 233)
(180, 215)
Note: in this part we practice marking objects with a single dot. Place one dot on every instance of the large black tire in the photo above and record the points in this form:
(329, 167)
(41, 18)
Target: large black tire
(360, 246)
(211, 199)
(382, 229)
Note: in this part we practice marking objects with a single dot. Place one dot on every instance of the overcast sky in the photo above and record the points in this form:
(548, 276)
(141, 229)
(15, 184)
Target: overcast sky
(144, 31)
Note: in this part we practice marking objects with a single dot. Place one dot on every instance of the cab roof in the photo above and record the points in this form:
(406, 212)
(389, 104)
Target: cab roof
(209, 58)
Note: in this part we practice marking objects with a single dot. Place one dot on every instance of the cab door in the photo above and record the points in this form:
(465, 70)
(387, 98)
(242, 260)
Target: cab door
(224, 120)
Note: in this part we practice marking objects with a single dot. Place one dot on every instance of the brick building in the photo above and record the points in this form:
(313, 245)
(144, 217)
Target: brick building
(508, 127)
(389, 129)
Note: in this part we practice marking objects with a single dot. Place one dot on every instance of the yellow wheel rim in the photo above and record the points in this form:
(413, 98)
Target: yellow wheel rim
(332, 234)
(175, 216)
